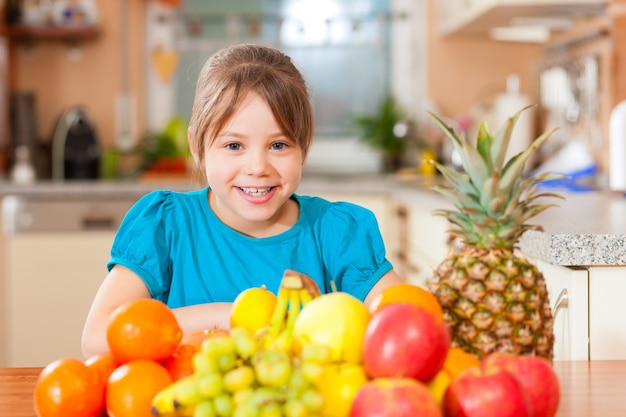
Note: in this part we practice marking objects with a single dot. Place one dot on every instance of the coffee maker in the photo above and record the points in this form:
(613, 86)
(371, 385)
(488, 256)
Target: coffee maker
(75, 147)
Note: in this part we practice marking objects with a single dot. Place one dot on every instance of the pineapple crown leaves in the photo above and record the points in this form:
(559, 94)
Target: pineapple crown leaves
(493, 200)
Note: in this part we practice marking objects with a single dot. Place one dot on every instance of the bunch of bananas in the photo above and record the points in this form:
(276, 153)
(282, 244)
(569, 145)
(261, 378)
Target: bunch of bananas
(243, 374)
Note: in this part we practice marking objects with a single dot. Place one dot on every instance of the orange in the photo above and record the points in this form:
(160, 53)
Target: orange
(133, 385)
(181, 363)
(196, 338)
(407, 293)
(65, 388)
(456, 362)
(143, 329)
(253, 309)
(100, 367)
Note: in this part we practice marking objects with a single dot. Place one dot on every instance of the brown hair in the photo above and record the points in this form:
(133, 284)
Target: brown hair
(233, 72)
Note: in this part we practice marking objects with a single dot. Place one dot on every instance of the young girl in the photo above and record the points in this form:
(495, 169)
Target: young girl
(250, 130)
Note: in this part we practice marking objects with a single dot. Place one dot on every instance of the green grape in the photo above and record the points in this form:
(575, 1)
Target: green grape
(315, 353)
(246, 344)
(223, 405)
(216, 346)
(210, 386)
(312, 372)
(263, 396)
(273, 368)
(295, 408)
(246, 410)
(271, 410)
(227, 361)
(242, 396)
(297, 381)
(312, 400)
(239, 378)
(204, 409)
(204, 364)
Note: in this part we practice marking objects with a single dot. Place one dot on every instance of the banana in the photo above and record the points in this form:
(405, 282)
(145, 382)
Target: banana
(164, 403)
(296, 291)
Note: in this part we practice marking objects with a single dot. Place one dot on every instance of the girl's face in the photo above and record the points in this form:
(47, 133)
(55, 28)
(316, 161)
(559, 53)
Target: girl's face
(253, 169)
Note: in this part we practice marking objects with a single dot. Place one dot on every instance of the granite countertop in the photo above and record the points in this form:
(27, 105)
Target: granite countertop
(584, 229)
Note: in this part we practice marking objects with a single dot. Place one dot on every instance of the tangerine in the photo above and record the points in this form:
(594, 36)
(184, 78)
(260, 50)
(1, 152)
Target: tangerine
(181, 363)
(253, 309)
(459, 360)
(65, 388)
(143, 329)
(133, 385)
(100, 367)
(196, 338)
(407, 293)
(456, 362)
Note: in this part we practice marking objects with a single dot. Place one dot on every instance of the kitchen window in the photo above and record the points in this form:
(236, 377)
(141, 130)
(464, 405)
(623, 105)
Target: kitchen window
(342, 48)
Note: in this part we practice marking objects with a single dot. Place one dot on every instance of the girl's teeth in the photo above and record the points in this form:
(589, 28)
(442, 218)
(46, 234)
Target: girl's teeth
(256, 192)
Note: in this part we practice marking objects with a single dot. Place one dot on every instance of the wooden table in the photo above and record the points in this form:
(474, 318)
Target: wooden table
(588, 389)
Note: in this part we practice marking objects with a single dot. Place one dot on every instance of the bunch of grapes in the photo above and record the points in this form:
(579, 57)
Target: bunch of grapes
(235, 376)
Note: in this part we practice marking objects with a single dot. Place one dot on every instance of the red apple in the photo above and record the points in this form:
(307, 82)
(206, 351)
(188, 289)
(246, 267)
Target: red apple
(486, 392)
(404, 340)
(394, 397)
(537, 378)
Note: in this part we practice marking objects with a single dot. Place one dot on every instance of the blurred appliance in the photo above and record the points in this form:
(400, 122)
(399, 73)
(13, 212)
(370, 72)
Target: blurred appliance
(23, 128)
(75, 147)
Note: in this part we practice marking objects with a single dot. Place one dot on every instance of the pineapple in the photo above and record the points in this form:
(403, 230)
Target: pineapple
(494, 299)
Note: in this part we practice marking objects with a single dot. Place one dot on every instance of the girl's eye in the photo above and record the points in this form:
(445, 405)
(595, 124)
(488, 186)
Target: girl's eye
(279, 146)
(233, 146)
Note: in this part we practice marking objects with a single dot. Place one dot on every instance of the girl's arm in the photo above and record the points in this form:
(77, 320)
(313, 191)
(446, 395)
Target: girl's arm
(121, 286)
(387, 280)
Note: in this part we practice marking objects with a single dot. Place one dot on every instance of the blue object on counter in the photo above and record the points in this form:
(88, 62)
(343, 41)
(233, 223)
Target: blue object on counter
(571, 181)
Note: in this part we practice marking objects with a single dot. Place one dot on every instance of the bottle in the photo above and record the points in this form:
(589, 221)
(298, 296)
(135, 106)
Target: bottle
(505, 106)
(23, 171)
(617, 147)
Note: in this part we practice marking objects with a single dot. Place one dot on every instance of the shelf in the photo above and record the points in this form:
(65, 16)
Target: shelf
(49, 32)
(478, 17)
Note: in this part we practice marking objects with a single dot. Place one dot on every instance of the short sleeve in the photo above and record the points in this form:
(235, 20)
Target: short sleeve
(354, 251)
(142, 245)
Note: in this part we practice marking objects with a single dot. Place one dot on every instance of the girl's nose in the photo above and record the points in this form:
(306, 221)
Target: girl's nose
(257, 164)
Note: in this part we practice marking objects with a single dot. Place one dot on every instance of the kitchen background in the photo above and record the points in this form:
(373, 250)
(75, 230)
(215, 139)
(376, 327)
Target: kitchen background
(132, 66)
(101, 90)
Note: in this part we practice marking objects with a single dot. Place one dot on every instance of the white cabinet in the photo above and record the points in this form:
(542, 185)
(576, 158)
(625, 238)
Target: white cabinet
(423, 235)
(478, 17)
(50, 282)
(382, 205)
(607, 312)
(569, 299)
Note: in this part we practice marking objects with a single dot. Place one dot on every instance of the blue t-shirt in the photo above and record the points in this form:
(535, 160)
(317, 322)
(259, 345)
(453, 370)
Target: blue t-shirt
(187, 256)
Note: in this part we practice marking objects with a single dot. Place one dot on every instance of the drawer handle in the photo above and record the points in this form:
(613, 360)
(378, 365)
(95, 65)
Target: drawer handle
(562, 301)
(98, 223)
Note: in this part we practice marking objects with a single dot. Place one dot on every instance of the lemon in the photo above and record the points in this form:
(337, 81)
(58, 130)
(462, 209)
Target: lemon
(338, 385)
(253, 309)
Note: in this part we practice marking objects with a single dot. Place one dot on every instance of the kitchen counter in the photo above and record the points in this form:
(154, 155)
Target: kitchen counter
(588, 389)
(585, 229)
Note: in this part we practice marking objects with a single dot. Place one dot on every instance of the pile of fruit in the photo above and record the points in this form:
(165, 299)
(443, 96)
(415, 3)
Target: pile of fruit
(296, 354)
